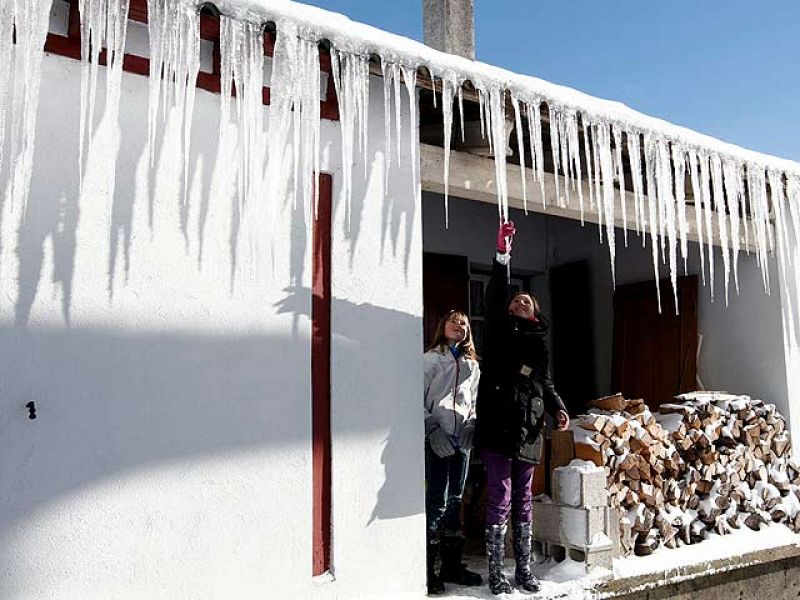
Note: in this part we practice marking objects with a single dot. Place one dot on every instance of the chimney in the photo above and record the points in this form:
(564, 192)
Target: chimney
(449, 26)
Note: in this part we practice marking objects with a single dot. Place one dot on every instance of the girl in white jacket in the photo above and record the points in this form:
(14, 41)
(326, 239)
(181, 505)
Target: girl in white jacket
(451, 387)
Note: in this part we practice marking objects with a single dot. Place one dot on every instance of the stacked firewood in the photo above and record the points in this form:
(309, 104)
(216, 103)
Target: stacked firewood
(711, 462)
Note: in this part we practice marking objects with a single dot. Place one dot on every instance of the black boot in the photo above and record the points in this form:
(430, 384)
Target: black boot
(453, 570)
(435, 585)
(496, 555)
(522, 554)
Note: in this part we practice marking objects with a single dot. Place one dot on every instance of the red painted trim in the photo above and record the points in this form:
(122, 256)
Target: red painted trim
(70, 46)
(321, 381)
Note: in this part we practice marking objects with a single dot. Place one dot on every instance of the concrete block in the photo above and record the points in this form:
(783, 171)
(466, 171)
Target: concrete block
(568, 525)
(578, 488)
(602, 556)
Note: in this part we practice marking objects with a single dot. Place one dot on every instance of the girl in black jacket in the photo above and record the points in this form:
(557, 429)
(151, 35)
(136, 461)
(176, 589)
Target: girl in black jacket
(515, 391)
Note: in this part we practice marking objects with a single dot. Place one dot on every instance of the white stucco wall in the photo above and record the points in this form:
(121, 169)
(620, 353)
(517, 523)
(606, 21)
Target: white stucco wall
(742, 349)
(171, 453)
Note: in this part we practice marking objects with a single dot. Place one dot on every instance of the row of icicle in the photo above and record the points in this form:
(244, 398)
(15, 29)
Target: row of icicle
(734, 201)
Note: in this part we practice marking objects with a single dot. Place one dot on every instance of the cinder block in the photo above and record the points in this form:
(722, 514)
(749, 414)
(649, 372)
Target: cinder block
(599, 557)
(568, 525)
(591, 491)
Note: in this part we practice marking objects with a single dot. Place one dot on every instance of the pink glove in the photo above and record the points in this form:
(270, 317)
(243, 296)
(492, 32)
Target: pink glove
(505, 233)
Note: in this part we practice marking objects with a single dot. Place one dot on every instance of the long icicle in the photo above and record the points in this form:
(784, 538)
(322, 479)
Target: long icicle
(697, 196)
(617, 135)
(666, 201)
(448, 93)
(732, 179)
(386, 72)
(520, 149)
(497, 118)
(652, 209)
(679, 162)
(607, 176)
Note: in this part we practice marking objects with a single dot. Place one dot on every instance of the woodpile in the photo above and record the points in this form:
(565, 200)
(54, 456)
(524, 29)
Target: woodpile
(711, 462)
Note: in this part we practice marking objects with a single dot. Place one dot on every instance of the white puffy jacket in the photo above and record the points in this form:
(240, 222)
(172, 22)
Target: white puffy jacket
(451, 389)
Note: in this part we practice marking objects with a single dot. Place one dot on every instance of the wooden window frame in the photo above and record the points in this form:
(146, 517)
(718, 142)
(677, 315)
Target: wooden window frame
(70, 46)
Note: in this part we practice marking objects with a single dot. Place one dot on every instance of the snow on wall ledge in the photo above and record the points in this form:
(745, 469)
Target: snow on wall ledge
(738, 193)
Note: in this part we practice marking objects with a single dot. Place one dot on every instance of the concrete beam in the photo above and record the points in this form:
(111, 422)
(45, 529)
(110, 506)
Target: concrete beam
(473, 178)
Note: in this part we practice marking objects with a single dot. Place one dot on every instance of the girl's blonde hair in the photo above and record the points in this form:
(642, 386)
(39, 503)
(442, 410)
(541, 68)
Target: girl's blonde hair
(467, 346)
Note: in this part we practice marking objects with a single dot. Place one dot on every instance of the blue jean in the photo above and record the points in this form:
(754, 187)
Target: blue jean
(445, 479)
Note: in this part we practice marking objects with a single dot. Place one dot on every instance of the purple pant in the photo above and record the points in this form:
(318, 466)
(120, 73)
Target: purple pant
(508, 486)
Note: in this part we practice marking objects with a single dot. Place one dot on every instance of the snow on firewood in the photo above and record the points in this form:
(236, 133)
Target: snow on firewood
(709, 462)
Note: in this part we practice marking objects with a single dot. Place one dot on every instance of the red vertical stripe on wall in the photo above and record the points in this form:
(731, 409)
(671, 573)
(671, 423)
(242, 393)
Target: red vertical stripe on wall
(321, 380)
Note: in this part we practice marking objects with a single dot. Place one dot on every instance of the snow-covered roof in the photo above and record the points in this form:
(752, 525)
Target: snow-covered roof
(351, 36)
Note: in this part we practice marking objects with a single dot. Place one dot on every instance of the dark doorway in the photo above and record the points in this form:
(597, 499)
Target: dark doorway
(654, 354)
(572, 335)
(445, 287)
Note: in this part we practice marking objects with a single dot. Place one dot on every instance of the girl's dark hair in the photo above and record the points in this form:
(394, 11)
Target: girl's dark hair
(467, 346)
(536, 308)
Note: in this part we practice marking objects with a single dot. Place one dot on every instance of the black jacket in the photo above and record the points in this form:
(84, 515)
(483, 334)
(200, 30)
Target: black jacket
(515, 388)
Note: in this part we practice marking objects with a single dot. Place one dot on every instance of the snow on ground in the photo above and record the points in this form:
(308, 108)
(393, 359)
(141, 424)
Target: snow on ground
(569, 579)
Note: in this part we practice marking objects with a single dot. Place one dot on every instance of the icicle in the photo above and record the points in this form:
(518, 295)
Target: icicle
(555, 150)
(708, 214)
(386, 72)
(598, 193)
(481, 112)
(174, 65)
(351, 79)
(722, 218)
(666, 201)
(30, 22)
(782, 236)
(6, 49)
(362, 99)
(760, 206)
(697, 194)
(398, 108)
(621, 177)
(790, 213)
(410, 78)
(536, 144)
(433, 84)
(607, 176)
(520, 149)
(461, 108)
(341, 71)
(652, 208)
(497, 120)
(732, 179)
(574, 154)
(308, 105)
(587, 152)
(679, 161)
(564, 159)
(448, 92)
(242, 66)
(634, 156)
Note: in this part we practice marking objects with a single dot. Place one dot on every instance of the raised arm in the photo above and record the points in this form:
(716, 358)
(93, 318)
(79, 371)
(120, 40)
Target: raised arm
(497, 291)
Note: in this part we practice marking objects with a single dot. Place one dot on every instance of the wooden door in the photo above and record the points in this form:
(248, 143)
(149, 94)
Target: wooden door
(445, 287)
(654, 355)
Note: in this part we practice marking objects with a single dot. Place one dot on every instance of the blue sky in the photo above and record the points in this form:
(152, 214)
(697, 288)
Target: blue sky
(727, 68)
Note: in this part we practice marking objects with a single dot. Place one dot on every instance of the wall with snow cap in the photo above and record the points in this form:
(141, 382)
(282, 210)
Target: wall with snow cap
(743, 349)
(170, 369)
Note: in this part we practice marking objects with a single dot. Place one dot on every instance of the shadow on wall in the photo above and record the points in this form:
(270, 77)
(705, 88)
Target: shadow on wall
(110, 405)
(380, 395)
